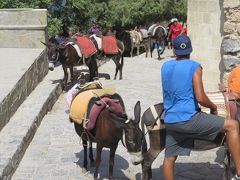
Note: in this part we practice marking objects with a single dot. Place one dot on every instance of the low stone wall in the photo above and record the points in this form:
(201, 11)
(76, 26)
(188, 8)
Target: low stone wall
(23, 28)
(30, 79)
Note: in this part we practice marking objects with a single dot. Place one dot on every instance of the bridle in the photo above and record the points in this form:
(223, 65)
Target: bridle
(56, 55)
(136, 128)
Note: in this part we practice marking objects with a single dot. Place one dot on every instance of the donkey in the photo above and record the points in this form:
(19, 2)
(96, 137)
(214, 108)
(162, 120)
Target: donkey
(117, 58)
(153, 121)
(68, 57)
(137, 41)
(158, 37)
(108, 131)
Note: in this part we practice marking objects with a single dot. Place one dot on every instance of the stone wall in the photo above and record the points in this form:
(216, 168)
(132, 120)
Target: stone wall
(205, 24)
(231, 41)
(26, 84)
(23, 28)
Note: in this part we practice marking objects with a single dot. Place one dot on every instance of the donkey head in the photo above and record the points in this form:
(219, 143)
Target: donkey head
(133, 134)
(52, 51)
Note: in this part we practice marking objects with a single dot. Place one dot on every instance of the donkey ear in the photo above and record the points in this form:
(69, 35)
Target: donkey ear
(47, 45)
(137, 112)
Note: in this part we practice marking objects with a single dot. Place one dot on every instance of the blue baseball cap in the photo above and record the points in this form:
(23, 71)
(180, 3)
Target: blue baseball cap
(182, 45)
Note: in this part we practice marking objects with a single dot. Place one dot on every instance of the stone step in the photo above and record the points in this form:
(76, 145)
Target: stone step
(21, 71)
(19, 131)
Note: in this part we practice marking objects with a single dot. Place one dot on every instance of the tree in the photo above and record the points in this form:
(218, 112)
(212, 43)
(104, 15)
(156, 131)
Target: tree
(122, 13)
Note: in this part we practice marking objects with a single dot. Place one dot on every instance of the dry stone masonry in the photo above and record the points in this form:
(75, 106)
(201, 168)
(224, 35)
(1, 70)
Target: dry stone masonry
(214, 28)
(231, 39)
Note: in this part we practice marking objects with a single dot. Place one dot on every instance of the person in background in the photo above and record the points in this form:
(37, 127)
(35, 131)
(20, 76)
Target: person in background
(175, 30)
(234, 92)
(182, 92)
(65, 31)
(169, 36)
(94, 29)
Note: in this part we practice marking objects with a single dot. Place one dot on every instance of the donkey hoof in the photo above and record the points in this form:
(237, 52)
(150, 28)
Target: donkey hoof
(95, 177)
(84, 170)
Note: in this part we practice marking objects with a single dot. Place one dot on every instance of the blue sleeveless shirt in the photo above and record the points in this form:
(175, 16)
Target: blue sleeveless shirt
(180, 103)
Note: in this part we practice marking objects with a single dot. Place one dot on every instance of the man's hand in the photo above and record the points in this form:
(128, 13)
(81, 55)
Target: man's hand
(214, 111)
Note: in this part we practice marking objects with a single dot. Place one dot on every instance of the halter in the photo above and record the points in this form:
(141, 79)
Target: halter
(57, 56)
(123, 137)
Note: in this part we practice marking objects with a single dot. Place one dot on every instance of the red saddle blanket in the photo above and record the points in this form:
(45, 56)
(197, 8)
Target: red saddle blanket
(109, 45)
(86, 45)
(97, 108)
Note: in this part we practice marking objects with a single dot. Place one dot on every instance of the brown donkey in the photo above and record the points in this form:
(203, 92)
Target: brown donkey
(68, 57)
(108, 131)
(116, 57)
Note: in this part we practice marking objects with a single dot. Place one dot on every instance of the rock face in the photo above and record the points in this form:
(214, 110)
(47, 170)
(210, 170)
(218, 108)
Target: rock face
(231, 45)
(23, 28)
(231, 30)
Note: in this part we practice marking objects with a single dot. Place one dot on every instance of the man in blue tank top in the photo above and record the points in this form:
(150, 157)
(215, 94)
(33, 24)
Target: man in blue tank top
(182, 92)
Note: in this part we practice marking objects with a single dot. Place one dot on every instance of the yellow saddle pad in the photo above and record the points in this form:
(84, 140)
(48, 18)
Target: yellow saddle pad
(79, 105)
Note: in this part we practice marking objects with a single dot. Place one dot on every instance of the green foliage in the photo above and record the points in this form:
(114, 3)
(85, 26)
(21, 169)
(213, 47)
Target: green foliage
(54, 26)
(124, 13)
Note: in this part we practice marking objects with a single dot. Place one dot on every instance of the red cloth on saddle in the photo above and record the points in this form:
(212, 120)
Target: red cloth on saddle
(96, 109)
(86, 45)
(109, 45)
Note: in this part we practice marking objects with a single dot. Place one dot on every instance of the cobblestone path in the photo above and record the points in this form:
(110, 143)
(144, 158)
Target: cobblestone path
(55, 152)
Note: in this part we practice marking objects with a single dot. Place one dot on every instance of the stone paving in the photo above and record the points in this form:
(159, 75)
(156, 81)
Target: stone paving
(55, 152)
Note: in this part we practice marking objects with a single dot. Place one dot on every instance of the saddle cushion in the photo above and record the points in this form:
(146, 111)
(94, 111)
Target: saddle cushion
(98, 40)
(86, 45)
(97, 108)
(109, 44)
(144, 33)
(218, 99)
(159, 26)
(151, 28)
(78, 108)
(76, 47)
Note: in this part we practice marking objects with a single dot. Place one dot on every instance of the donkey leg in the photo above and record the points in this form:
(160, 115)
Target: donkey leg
(151, 51)
(111, 161)
(158, 55)
(156, 146)
(65, 79)
(91, 154)
(131, 53)
(98, 160)
(120, 65)
(138, 50)
(146, 50)
(116, 60)
(85, 161)
(71, 74)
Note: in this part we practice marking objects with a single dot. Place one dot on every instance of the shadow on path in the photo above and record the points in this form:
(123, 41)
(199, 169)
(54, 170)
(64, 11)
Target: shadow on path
(120, 165)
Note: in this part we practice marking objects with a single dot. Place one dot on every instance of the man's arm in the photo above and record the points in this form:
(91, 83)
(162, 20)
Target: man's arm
(199, 92)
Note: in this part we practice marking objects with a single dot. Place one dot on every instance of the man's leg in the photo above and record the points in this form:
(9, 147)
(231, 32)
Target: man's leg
(231, 128)
(168, 167)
